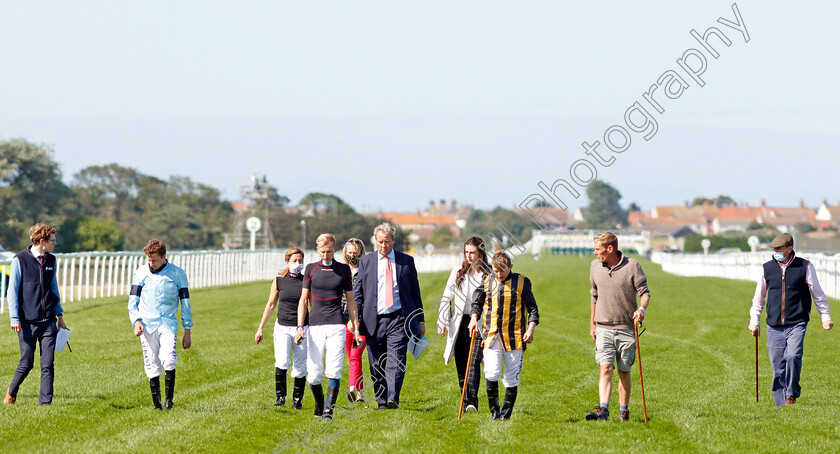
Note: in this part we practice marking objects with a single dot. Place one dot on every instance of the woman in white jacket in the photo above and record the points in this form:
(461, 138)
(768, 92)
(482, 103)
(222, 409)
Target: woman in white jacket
(454, 316)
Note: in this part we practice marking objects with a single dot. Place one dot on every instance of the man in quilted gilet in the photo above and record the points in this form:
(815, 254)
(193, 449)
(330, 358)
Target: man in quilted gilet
(788, 284)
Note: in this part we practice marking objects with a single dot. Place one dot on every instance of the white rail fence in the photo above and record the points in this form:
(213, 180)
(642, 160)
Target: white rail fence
(746, 266)
(581, 241)
(102, 274)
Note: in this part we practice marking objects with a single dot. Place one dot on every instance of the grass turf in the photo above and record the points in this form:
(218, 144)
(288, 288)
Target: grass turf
(698, 361)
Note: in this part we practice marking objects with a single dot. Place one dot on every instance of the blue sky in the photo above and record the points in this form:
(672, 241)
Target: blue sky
(390, 104)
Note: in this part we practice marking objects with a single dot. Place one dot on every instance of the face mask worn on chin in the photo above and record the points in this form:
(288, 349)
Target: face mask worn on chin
(779, 256)
(296, 269)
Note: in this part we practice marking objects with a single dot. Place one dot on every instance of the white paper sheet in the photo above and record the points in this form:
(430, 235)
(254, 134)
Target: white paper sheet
(416, 348)
(61, 340)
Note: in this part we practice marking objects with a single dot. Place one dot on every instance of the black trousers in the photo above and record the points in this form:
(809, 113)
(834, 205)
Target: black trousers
(30, 334)
(461, 351)
(387, 357)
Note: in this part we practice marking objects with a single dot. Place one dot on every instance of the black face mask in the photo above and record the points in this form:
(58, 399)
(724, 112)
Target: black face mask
(353, 260)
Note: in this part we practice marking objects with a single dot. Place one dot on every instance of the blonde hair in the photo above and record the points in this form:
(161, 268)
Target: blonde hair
(360, 245)
(606, 239)
(325, 239)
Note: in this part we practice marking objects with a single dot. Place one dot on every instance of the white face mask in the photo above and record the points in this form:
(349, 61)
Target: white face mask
(779, 256)
(296, 269)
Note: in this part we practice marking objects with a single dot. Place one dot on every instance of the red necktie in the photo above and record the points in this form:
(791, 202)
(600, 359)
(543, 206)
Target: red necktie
(389, 285)
(41, 259)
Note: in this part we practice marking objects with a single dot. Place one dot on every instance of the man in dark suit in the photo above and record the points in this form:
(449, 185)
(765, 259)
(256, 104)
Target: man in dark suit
(388, 295)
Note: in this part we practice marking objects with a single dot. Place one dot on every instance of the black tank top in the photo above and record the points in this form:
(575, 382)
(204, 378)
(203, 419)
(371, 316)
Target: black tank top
(289, 288)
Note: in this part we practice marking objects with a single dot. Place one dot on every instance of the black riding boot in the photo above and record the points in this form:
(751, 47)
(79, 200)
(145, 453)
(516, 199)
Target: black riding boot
(280, 386)
(297, 393)
(169, 383)
(318, 394)
(332, 395)
(493, 398)
(154, 384)
(510, 399)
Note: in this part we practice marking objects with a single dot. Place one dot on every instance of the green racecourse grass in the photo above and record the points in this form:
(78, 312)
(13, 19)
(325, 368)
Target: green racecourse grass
(697, 359)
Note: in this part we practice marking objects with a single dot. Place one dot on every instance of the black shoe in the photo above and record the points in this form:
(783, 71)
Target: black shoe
(391, 405)
(318, 394)
(598, 413)
(169, 383)
(493, 398)
(154, 384)
(510, 399)
(354, 396)
(280, 386)
(329, 403)
(297, 393)
(624, 415)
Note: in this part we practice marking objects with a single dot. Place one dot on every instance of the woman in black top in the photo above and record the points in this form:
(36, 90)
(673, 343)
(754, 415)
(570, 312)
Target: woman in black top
(285, 294)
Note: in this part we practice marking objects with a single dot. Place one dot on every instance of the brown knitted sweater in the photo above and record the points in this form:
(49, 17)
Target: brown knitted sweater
(614, 292)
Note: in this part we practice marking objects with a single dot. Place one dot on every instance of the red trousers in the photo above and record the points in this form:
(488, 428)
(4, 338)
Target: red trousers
(355, 355)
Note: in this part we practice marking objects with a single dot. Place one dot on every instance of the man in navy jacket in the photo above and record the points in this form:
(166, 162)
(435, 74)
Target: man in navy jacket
(388, 295)
(35, 309)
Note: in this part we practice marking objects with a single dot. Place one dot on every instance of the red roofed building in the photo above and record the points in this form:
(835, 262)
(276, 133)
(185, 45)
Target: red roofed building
(421, 226)
(709, 219)
(452, 216)
(667, 220)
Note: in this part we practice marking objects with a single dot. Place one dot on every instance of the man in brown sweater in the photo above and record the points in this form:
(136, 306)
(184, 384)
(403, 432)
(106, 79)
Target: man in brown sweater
(615, 281)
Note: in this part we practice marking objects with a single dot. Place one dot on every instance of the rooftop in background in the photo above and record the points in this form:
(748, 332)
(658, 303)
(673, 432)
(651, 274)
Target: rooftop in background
(710, 218)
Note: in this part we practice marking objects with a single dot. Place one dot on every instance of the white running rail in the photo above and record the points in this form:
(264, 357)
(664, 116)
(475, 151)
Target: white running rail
(746, 266)
(85, 275)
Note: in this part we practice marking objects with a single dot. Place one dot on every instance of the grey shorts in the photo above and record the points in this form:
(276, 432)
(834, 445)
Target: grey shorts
(615, 345)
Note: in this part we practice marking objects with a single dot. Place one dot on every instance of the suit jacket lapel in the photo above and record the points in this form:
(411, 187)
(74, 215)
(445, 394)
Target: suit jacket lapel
(373, 278)
(398, 262)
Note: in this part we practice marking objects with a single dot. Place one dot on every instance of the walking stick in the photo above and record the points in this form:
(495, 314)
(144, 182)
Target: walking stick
(467, 376)
(639, 354)
(756, 367)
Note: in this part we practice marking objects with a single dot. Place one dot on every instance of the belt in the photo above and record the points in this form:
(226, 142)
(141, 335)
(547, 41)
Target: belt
(391, 314)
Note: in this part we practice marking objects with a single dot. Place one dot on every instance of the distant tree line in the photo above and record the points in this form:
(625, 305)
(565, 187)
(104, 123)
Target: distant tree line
(111, 207)
(326, 213)
(104, 208)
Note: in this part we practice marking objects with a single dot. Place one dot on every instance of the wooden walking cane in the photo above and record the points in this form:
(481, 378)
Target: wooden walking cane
(467, 376)
(641, 380)
(756, 367)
